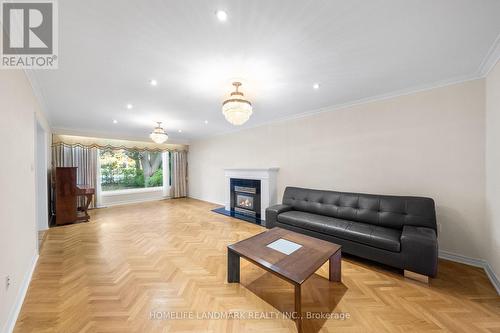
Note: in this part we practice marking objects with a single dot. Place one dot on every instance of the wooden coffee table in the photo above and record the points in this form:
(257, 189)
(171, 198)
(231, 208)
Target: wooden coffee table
(295, 267)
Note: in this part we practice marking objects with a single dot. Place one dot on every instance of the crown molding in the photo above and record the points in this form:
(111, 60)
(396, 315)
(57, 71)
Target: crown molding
(361, 101)
(37, 91)
(491, 58)
(489, 61)
(36, 88)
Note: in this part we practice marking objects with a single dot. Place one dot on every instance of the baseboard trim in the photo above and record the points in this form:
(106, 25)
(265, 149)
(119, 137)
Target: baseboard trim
(210, 202)
(473, 262)
(492, 276)
(16, 309)
(461, 259)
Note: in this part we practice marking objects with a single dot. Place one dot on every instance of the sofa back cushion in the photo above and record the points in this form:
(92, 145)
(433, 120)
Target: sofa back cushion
(383, 210)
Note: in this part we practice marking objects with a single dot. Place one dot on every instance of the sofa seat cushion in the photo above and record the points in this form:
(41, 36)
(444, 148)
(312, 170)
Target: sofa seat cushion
(368, 234)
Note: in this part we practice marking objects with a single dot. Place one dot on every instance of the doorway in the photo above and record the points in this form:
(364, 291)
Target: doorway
(41, 183)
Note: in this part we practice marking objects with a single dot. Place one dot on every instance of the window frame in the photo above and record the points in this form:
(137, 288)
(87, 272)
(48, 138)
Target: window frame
(165, 188)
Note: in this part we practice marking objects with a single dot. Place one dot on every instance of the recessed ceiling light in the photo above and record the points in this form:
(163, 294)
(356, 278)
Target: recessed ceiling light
(153, 82)
(206, 122)
(316, 86)
(180, 131)
(129, 106)
(115, 121)
(221, 15)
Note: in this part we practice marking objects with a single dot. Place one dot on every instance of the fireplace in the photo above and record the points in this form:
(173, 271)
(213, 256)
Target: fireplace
(245, 197)
(248, 192)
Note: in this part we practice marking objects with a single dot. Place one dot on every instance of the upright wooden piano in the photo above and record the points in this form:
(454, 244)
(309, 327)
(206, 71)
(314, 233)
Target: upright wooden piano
(67, 193)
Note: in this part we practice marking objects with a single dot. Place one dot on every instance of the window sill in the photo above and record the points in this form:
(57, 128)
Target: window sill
(132, 191)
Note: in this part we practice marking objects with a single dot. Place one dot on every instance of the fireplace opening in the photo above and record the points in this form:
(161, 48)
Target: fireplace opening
(245, 197)
(244, 201)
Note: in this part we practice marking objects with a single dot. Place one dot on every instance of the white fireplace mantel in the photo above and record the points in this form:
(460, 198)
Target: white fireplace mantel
(267, 177)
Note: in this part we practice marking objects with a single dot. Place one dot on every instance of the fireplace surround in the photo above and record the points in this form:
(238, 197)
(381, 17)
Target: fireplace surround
(243, 203)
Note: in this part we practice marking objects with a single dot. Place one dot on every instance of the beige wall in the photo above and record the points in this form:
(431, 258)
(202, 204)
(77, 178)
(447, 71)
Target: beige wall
(493, 167)
(18, 109)
(429, 143)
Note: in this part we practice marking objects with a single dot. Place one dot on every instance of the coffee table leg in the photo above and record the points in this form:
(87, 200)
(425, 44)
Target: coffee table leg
(298, 307)
(233, 266)
(335, 266)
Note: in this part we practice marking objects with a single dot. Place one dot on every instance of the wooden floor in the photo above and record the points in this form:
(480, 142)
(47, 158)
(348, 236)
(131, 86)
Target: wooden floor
(41, 238)
(133, 266)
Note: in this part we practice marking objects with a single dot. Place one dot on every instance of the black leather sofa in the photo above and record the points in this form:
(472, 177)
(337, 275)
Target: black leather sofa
(398, 231)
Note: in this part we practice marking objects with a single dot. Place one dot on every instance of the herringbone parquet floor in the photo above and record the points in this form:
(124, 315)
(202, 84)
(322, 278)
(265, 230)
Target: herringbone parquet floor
(134, 266)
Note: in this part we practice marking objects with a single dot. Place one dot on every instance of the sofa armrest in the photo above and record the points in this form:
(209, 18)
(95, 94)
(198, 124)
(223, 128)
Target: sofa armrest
(272, 214)
(419, 248)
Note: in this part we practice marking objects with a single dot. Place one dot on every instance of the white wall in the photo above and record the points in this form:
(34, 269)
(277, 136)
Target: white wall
(493, 167)
(429, 143)
(18, 229)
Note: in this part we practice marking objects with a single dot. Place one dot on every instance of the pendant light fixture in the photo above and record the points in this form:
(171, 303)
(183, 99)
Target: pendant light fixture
(159, 135)
(237, 110)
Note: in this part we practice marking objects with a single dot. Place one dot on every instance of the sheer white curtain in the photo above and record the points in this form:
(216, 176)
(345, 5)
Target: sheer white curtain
(178, 187)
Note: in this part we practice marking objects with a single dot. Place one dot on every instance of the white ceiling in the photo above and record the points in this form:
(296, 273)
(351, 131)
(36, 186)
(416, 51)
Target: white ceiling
(356, 49)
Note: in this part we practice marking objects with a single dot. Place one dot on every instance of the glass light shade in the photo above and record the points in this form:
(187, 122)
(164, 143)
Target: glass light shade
(237, 111)
(159, 135)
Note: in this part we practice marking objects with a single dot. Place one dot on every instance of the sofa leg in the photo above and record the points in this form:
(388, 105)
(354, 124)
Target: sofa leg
(416, 276)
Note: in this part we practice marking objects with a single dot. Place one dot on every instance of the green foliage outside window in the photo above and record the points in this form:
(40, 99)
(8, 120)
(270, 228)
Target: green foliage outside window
(121, 169)
(156, 179)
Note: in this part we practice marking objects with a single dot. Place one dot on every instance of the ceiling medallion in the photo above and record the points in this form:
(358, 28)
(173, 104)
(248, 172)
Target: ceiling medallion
(159, 135)
(237, 110)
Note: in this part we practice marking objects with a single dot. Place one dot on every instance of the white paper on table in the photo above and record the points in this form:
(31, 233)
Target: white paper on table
(284, 246)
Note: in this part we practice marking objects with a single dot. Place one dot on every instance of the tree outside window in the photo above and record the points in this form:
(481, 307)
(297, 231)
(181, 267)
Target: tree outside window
(122, 169)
